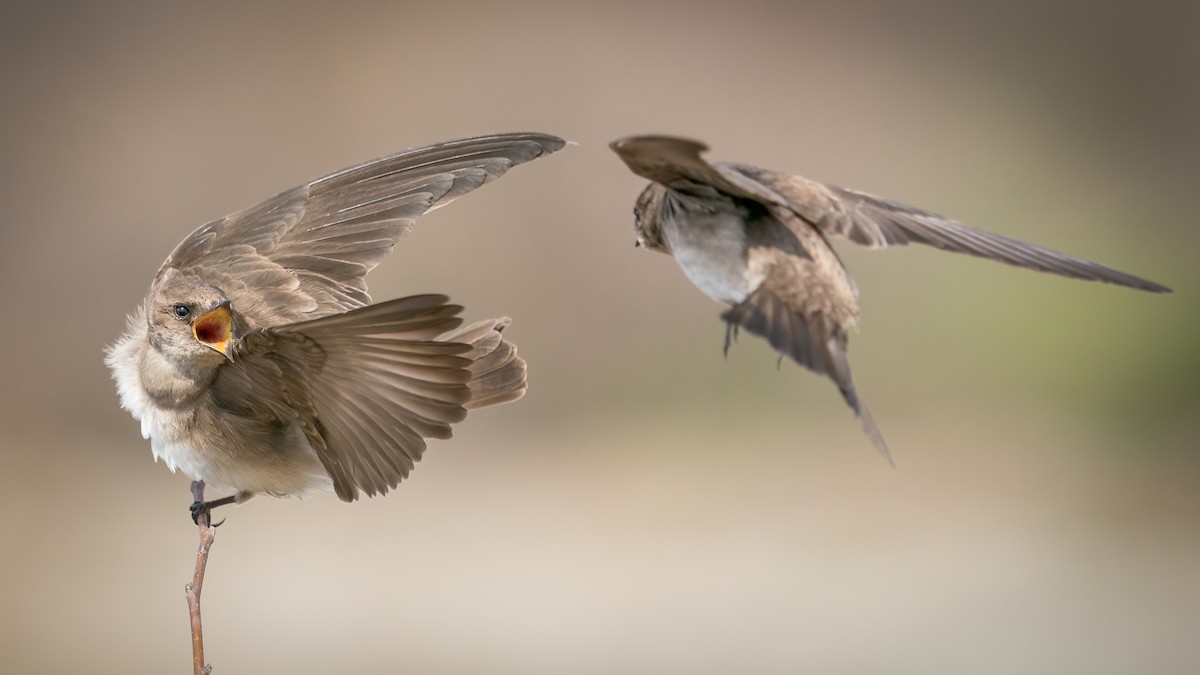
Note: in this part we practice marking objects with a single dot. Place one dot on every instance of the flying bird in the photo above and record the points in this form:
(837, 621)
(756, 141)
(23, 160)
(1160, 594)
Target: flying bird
(257, 364)
(758, 241)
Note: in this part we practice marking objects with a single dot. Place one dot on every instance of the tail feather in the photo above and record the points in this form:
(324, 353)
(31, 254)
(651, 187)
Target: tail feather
(498, 375)
(814, 341)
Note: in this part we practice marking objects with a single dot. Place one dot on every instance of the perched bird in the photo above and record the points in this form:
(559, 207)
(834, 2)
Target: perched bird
(757, 240)
(256, 363)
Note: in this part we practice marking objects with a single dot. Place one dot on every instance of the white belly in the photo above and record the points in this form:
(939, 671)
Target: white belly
(711, 250)
(288, 467)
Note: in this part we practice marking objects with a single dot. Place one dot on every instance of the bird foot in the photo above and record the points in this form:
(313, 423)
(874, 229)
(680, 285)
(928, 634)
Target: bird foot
(203, 510)
(731, 335)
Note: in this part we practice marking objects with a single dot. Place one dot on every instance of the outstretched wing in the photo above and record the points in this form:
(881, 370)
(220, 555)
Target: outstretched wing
(877, 223)
(369, 386)
(305, 253)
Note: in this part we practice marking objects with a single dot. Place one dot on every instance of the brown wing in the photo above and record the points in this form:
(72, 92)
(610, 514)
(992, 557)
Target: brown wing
(877, 223)
(676, 163)
(306, 252)
(369, 386)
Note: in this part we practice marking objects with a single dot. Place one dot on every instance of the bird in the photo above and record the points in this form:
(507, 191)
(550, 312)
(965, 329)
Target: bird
(757, 241)
(257, 363)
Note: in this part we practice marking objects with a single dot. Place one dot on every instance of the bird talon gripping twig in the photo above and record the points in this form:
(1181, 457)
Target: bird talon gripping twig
(199, 510)
(202, 510)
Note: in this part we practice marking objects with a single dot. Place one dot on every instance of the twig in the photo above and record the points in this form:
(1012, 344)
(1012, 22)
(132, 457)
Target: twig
(207, 534)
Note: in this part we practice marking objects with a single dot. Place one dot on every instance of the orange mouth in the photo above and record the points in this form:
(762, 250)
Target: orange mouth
(214, 329)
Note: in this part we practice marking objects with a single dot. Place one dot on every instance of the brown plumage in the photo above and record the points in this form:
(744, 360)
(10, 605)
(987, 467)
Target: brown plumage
(256, 363)
(757, 240)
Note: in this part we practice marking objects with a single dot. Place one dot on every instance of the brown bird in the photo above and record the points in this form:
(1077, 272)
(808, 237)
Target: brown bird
(256, 364)
(757, 240)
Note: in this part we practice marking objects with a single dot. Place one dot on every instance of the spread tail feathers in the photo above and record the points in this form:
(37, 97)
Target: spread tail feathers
(497, 373)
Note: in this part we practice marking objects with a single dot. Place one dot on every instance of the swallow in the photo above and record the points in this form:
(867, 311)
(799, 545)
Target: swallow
(257, 363)
(758, 241)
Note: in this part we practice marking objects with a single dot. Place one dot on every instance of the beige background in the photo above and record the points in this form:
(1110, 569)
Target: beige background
(648, 507)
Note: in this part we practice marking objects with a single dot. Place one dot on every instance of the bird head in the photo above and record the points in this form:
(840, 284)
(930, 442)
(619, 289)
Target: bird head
(190, 319)
(647, 219)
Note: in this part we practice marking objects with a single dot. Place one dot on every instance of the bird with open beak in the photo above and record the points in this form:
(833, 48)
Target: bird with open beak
(758, 241)
(257, 364)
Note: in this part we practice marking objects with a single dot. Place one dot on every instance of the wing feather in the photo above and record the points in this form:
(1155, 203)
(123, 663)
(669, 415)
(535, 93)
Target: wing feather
(372, 384)
(878, 223)
(305, 253)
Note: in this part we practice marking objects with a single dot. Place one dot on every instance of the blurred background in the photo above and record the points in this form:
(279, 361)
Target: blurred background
(650, 506)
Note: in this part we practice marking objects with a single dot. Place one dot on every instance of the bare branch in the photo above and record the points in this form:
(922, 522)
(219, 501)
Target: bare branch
(207, 534)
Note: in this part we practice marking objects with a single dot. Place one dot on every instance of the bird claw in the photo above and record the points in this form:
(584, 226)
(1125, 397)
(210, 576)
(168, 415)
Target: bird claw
(201, 509)
(731, 335)
(198, 509)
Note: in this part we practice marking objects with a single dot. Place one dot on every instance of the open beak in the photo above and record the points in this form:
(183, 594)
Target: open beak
(214, 329)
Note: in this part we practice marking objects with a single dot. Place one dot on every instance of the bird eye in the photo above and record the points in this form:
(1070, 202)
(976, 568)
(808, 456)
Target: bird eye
(181, 310)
